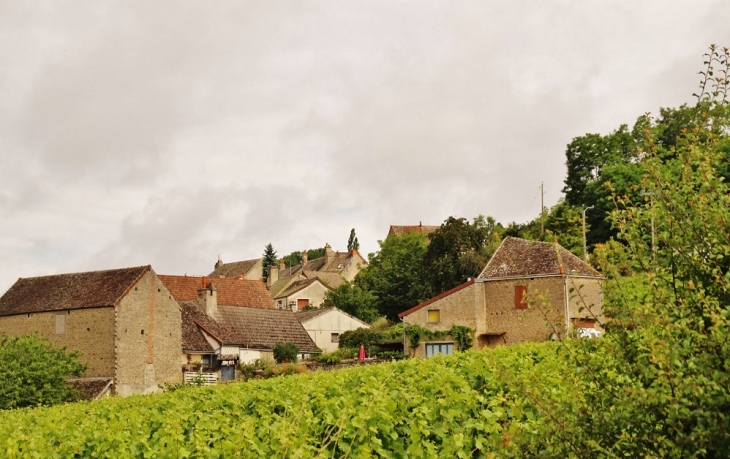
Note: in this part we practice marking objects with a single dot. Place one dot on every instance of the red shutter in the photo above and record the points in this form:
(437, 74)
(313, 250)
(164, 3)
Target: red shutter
(520, 296)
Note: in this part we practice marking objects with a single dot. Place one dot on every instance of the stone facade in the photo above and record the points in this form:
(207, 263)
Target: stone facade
(490, 308)
(90, 331)
(125, 323)
(148, 338)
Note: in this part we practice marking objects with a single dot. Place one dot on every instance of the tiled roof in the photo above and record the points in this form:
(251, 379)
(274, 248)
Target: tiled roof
(519, 258)
(282, 284)
(231, 292)
(69, 291)
(299, 285)
(264, 328)
(235, 269)
(331, 280)
(91, 388)
(193, 319)
(398, 230)
(303, 316)
(336, 265)
(436, 298)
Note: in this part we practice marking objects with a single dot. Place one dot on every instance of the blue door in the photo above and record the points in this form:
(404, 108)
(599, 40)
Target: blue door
(228, 372)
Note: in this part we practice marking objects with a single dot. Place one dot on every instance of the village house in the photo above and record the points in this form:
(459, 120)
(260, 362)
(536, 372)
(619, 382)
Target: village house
(230, 321)
(333, 269)
(399, 230)
(124, 322)
(325, 326)
(249, 269)
(295, 292)
(528, 291)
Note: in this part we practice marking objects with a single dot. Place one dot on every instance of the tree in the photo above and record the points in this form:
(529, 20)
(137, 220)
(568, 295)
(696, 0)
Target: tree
(396, 274)
(352, 243)
(459, 250)
(269, 260)
(353, 300)
(34, 372)
(285, 352)
(658, 384)
(562, 221)
(295, 258)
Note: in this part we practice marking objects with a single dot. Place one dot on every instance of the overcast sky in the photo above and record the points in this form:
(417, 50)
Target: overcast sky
(160, 133)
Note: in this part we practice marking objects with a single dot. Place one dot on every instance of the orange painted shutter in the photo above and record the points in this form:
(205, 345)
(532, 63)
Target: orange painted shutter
(520, 296)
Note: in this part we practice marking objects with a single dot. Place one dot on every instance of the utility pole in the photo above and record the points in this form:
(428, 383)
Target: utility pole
(585, 249)
(542, 211)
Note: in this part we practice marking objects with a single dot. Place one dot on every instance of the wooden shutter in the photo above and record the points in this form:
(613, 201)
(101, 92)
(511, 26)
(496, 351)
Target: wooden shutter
(520, 296)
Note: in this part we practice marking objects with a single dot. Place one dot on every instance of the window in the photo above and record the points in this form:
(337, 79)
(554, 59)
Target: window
(279, 304)
(434, 316)
(521, 297)
(433, 349)
(60, 324)
(335, 337)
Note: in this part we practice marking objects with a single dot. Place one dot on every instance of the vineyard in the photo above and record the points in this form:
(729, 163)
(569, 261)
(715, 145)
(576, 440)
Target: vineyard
(467, 405)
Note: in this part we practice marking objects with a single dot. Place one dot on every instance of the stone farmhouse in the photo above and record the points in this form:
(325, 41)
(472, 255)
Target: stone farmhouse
(227, 321)
(529, 291)
(294, 293)
(325, 326)
(333, 269)
(124, 322)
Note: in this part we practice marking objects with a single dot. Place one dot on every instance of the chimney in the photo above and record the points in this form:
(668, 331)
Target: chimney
(218, 263)
(273, 275)
(282, 265)
(329, 254)
(305, 258)
(208, 299)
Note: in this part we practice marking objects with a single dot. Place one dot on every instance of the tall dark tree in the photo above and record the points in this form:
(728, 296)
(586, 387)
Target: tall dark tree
(269, 259)
(396, 274)
(352, 243)
(459, 250)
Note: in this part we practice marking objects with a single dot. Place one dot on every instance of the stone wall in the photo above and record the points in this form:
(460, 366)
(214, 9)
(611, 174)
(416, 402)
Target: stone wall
(148, 338)
(586, 299)
(90, 331)
(544, 315)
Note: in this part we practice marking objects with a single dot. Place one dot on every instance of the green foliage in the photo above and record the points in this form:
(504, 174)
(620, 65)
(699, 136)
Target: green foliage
(285, 352)
(269, 260)
(463, 336)
(458, 406)
(295, 258)
(459, 250)
(396, 275)
(352, 242)
(328, 358)
(34, 372)
(562, 222)
(659, 383)
(359, 337)
(353, 300)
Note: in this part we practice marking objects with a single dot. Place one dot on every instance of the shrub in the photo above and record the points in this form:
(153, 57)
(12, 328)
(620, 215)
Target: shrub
(285, 352)
(34, 372)
(359, 337)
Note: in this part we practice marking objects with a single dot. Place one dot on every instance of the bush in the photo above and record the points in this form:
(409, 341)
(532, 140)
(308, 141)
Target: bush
(285, 352)
(34, 372)
(360, 337)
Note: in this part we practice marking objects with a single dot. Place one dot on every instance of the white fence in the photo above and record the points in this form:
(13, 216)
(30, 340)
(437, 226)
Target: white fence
(207, 378)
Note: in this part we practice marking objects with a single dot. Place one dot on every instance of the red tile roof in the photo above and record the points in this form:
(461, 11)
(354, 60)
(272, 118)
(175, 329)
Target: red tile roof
(231, 292)
(517, 257)
(70, 291)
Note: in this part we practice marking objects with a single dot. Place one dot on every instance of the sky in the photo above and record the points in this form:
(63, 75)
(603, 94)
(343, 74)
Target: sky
(172, 133)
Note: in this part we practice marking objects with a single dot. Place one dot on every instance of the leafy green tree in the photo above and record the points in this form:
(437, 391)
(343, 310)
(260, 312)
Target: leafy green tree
(459, 250)
(396, 274)
(295, 258)
(285, 352)
(352, 242)
(34, 372)
(562, 221)
(353, 300)
(360, 336)
(659, 383)
(269, 260)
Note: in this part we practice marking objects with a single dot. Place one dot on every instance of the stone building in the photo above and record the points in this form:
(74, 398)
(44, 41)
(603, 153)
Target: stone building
(230, 321)
(249, 269)
(124, 322)
(529, 291)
